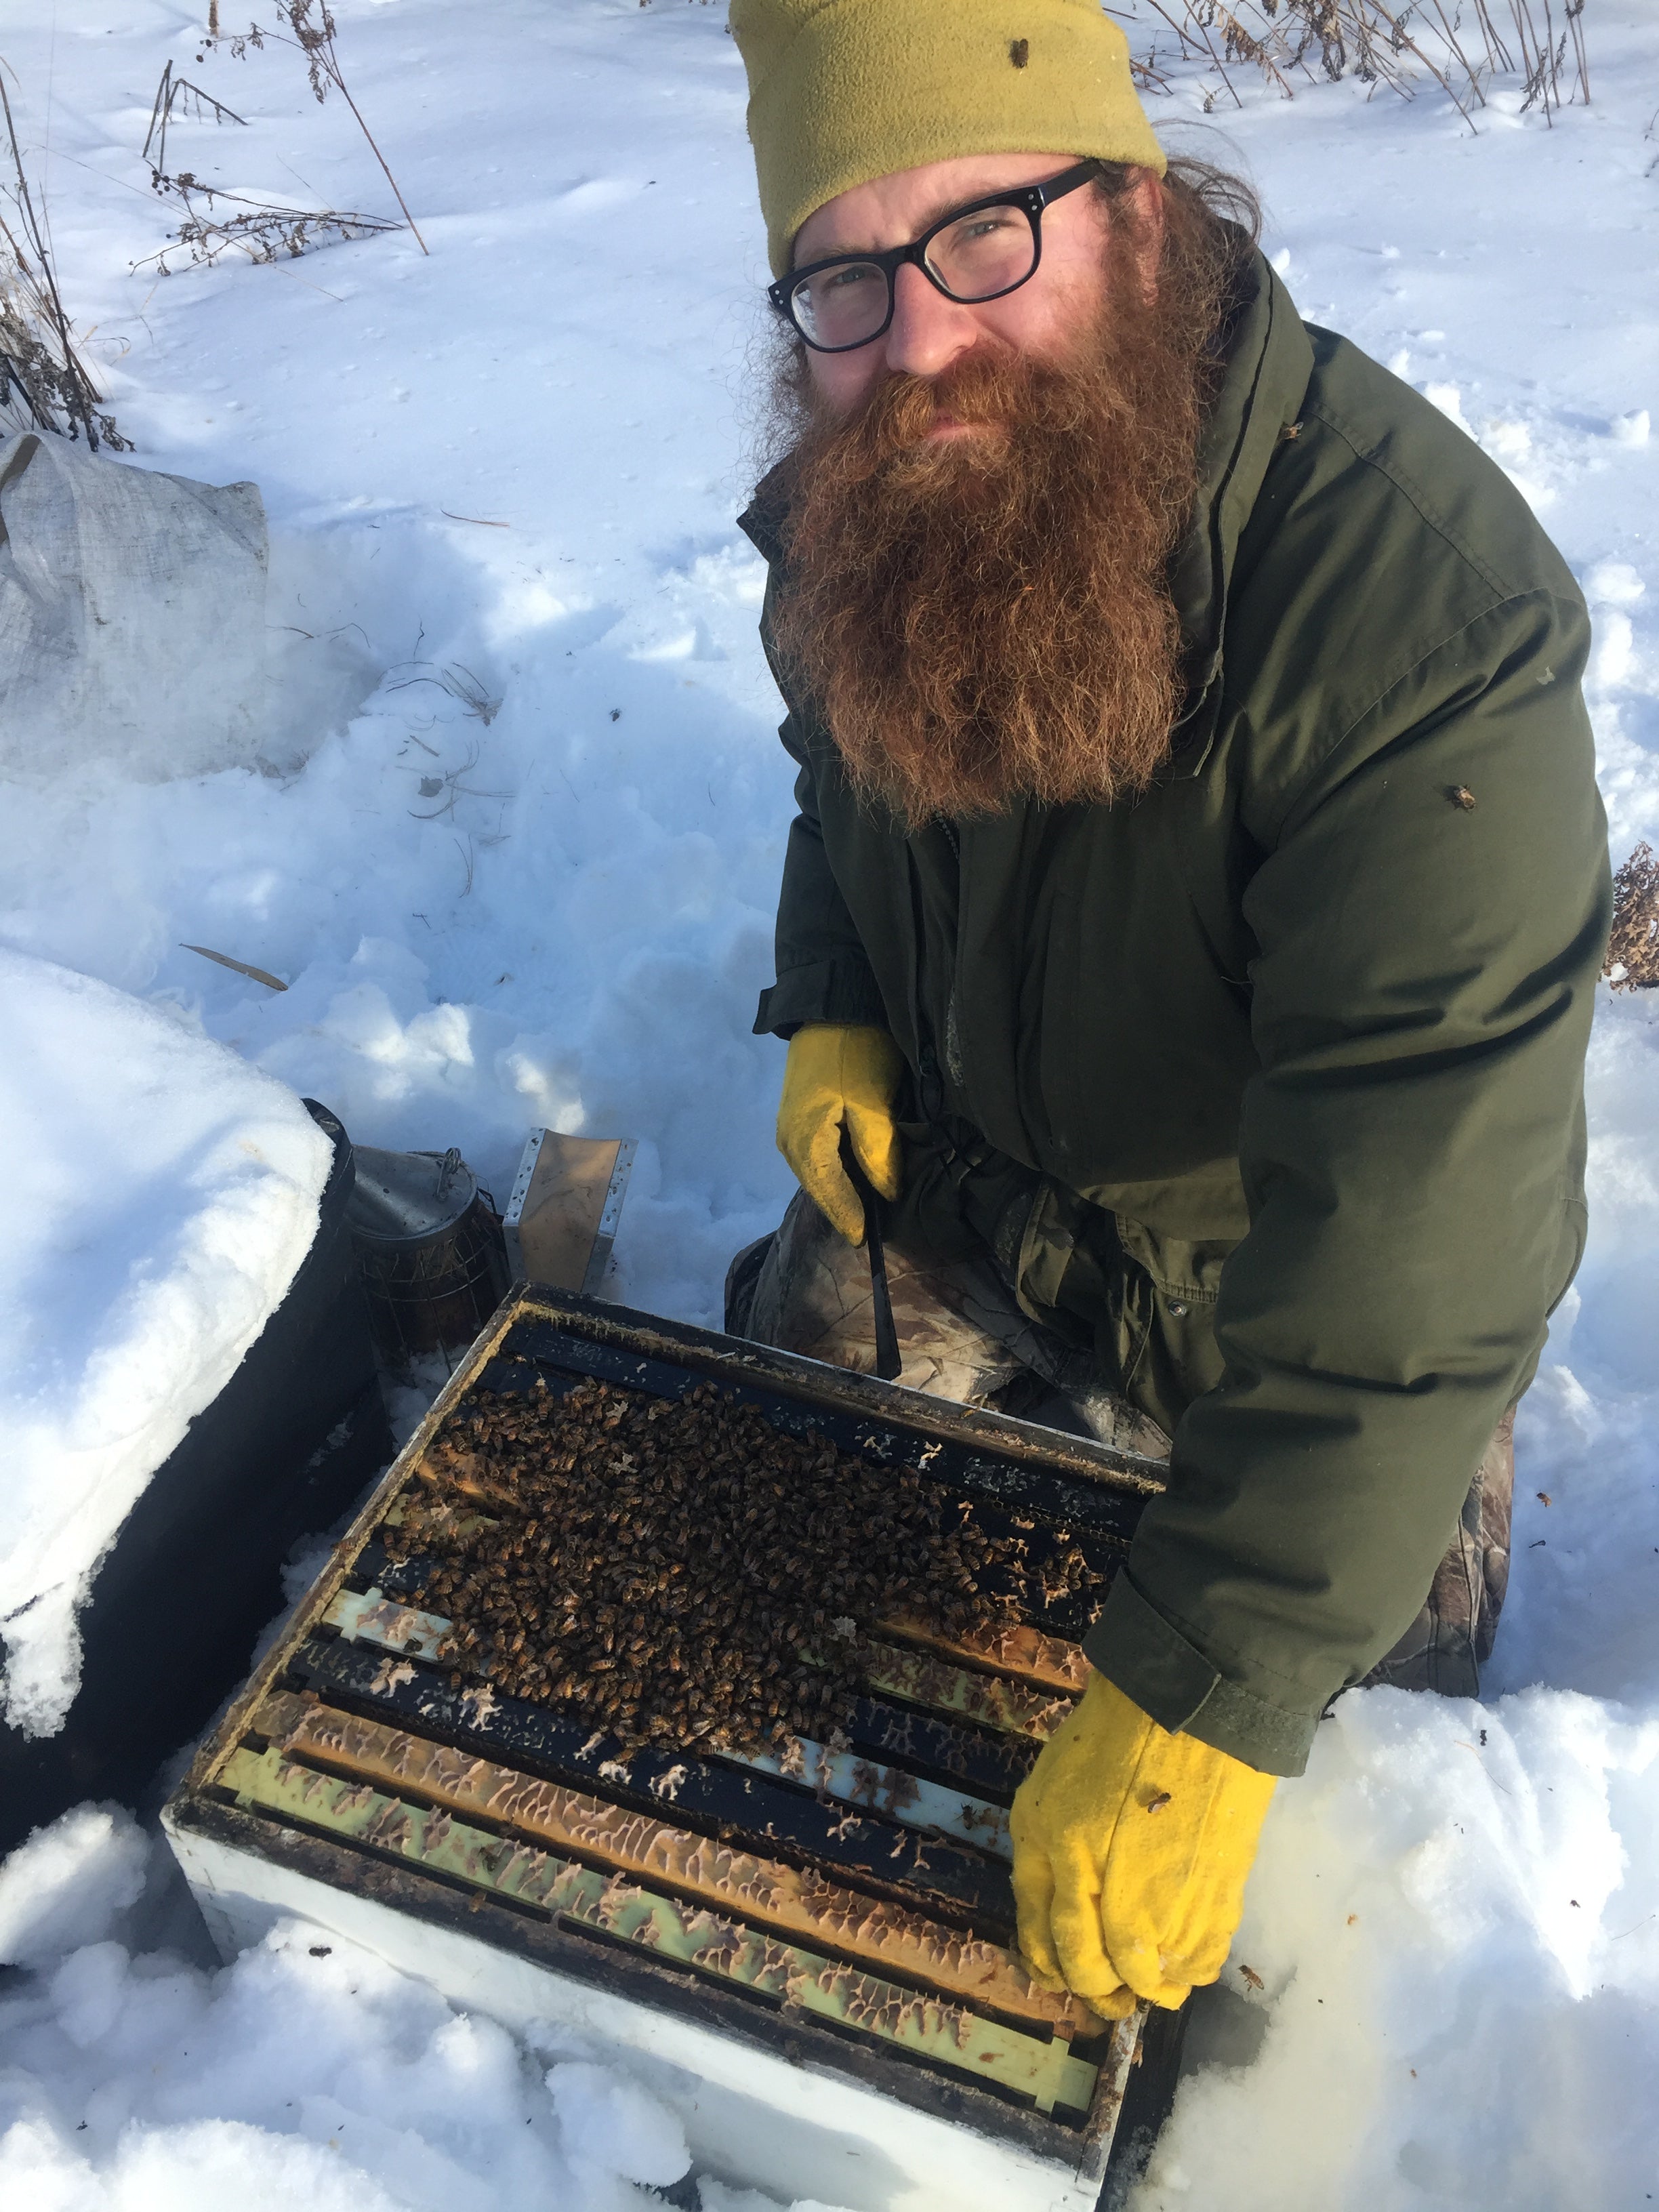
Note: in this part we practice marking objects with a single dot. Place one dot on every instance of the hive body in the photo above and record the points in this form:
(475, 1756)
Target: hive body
(805, 1941)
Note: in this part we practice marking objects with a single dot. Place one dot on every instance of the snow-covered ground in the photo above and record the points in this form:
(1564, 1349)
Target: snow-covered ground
(516, 855)
(163, 1195)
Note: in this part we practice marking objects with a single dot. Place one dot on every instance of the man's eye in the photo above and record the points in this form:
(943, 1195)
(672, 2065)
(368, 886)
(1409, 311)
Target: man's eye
(842, 280)
(980, 227)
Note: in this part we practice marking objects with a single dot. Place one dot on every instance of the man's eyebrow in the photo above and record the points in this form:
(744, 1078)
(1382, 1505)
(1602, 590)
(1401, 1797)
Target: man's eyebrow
(939, 212)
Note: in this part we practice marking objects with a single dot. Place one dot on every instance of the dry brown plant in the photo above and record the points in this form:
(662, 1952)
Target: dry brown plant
(44, 382)
(177, 95)
(1281, 39)
(311, 27)
(1633, 963)
(260, 230)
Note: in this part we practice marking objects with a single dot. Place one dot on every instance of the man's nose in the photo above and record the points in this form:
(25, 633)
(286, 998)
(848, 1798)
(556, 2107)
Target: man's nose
(927, 331)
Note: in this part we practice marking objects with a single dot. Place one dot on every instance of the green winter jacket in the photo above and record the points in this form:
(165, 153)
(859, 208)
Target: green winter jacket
(1300, 1032)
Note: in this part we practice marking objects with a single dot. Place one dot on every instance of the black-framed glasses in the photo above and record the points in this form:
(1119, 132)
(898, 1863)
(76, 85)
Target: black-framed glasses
(977, 253)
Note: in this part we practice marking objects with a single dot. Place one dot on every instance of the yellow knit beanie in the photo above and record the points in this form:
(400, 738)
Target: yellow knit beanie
(841, 91)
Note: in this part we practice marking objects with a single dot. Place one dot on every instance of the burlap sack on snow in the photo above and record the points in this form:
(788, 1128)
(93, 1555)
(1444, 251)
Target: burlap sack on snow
(132, 615)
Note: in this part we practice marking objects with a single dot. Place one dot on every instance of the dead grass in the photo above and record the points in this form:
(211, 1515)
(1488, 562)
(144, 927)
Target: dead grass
(1537, 44)
(44, 382)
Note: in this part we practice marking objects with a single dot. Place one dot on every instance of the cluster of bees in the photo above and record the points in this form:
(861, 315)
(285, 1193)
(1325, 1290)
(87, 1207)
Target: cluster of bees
(681, 1571)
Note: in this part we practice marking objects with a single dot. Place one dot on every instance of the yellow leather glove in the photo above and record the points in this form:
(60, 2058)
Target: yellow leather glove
(1132, 1847)
(837, 1074)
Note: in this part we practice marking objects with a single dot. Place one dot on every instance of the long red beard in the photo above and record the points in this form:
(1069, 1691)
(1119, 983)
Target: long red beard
(988, 617)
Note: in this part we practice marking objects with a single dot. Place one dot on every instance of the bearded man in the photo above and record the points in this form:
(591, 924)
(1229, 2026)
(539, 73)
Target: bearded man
(1192, 919)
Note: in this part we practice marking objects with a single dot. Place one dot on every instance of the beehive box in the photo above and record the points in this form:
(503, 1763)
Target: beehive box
(806, 1951)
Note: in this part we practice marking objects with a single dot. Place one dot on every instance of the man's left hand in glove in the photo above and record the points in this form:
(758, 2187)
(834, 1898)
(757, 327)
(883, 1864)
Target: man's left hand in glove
(1132, 1847)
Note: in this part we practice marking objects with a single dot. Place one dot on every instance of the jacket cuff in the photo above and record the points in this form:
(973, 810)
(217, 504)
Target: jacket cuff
(837, 990)
(1174, 1684)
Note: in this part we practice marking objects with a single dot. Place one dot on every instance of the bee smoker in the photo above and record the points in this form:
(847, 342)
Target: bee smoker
(429, 1249)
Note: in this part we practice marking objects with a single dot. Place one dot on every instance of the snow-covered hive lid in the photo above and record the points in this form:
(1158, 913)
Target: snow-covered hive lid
(161, 1198)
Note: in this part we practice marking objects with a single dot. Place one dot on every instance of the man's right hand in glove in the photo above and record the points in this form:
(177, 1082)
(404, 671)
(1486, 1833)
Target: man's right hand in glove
(841, 1077)
(1132, 1847)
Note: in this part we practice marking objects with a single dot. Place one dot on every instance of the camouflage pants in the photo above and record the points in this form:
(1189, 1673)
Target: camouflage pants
(1451, 1638)
(962, 1335)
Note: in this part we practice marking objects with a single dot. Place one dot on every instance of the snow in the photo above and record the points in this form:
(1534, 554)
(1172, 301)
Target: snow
(163, 1194)
(307, 2073)
(614, 2125)
(60, 1890)
(1453, 1920)
(515, 852)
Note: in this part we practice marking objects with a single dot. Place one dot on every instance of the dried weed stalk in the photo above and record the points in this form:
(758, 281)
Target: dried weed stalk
(43, 384)
(177, 95)
(460, 682)
(448, 785)
(1633, 961)
(311, 27)
(260, 230)
(1367, 39)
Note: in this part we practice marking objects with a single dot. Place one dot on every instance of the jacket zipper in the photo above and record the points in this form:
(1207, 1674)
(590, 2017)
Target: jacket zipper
(931, 1085)
(952, 1035)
